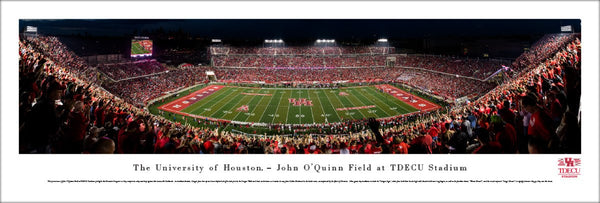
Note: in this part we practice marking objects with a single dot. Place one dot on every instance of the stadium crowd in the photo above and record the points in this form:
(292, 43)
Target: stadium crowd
(301, 75)
(542, 49)
(62, 110)
(348, 57)
(476, 68)
(298, 50)
(139, 90)
(119, 71)
(298, 61)
(61, 55)
(446, 86)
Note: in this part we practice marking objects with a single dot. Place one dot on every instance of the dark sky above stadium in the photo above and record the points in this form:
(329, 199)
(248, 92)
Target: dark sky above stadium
(305, 28)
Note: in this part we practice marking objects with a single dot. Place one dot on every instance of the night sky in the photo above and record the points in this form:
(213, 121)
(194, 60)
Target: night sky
(297, 29)
(497, 38)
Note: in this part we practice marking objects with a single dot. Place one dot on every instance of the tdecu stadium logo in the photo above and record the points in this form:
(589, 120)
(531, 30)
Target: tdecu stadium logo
(569, 167)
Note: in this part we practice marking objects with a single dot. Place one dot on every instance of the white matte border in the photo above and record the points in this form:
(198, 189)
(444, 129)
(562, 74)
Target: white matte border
(24, 177)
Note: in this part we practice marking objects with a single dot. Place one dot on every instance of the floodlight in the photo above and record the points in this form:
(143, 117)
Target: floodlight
(318, 41)
(382, 40)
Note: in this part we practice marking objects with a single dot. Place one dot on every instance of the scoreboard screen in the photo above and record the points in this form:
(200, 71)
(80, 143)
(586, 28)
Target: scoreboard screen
(140, 48)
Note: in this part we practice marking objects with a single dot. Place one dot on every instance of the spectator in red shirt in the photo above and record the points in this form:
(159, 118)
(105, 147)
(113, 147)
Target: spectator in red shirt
(77, 123)
(400, 146)
(433, 131)
(422, 144)
(540, 122)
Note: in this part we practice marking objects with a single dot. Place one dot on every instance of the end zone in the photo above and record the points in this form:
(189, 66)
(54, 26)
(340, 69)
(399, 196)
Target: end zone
(417, 102)
(183, 102)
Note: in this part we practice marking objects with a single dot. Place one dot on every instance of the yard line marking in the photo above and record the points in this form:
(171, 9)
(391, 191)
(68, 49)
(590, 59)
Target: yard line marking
(374, 101)
(369, 111)
(395, 100)
(300, 115)
(320, 105)
(234, 106)
(415, 97)
(351, 103)
(334, 106)
(258, 104)
(277, 109)
(288, 111)
(211, 106)
(240, 100)
(218, 95)
(250, 113)
(375, 94)
(185, 98)
(355, 105)
(310, 107)
(269, 104)
(329, 102)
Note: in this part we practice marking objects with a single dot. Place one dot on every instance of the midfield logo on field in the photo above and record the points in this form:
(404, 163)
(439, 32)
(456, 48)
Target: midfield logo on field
(300, 102)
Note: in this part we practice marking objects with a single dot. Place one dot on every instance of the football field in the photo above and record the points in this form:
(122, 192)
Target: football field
(296, 106)
(136, 48)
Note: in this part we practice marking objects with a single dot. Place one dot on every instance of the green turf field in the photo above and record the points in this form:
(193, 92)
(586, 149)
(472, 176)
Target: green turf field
(138, 49)
(277, 108)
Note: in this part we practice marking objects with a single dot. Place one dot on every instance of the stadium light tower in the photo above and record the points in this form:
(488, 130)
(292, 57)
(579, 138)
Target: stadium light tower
(274, 41)
(325, 41)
